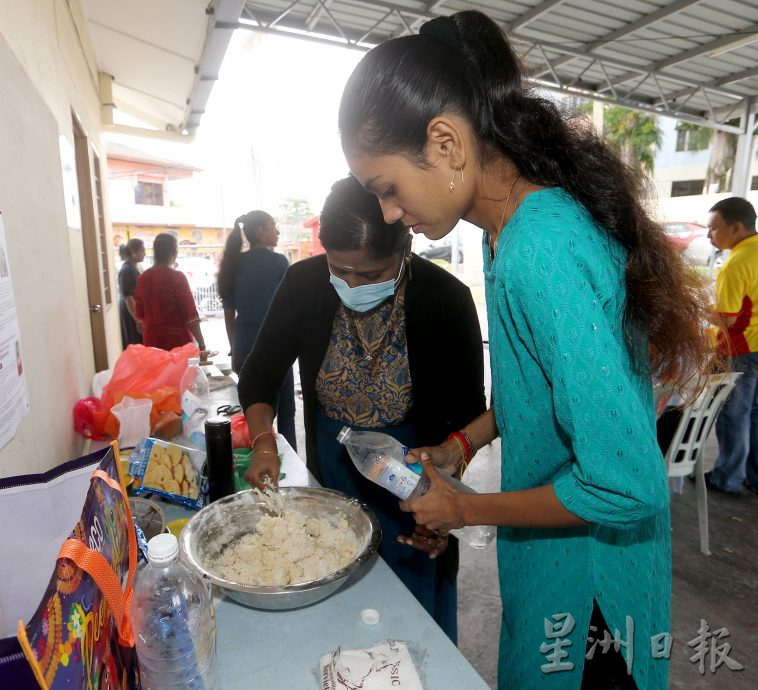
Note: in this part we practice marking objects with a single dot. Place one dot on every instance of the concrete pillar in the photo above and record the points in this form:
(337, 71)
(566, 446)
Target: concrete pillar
(743, 160)
(598, 108)
(105, 88)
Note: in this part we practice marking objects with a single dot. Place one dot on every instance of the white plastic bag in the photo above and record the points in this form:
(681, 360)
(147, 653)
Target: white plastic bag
(133, 416)
(385, 665)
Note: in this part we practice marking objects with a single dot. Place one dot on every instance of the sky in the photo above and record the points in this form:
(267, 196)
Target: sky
(270, 126)
(269, 130)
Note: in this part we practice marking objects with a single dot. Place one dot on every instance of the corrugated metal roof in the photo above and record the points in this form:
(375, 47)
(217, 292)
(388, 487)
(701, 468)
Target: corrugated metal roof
(696, 60)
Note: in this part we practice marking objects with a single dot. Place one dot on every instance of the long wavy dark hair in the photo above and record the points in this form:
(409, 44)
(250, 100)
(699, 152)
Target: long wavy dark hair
(251, 224)
(464, 64)
(352, 219)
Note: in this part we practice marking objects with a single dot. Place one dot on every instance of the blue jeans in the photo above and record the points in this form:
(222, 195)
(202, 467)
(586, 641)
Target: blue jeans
(737, 430)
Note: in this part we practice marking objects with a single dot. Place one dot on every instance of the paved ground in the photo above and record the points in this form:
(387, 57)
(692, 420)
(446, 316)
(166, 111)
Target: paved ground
(721, 589)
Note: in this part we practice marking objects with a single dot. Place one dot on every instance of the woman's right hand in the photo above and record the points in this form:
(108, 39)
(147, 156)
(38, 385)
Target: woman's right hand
(262, 465)
(446, 456)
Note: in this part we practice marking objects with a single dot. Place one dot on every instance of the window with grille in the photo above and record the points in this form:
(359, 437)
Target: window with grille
(687, 187)
(148, 193)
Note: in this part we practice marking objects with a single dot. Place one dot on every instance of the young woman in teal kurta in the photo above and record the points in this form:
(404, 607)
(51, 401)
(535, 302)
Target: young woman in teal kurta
(572, 412)
(587, 303)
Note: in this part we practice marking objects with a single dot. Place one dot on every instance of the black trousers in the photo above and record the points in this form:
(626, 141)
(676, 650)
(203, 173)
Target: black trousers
(605, 671)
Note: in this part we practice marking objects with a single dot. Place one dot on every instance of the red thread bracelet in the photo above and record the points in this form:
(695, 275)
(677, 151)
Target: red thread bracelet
(465, 444)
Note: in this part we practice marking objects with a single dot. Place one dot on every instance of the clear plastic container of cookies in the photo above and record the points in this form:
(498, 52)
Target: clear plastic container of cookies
(171, 471)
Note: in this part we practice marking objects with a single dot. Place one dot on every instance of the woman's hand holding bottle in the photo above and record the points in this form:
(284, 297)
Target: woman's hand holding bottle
(446, 456)
(439, 508)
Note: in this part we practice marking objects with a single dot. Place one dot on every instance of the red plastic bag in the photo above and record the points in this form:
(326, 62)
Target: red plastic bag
(86, 413)
(240, 432)
(142, 369)
(146, 372)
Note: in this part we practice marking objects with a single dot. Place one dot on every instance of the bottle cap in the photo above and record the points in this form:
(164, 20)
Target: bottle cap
(416, 467)
(162, 548)
(344, 434)
(370, 616)
(193, 361)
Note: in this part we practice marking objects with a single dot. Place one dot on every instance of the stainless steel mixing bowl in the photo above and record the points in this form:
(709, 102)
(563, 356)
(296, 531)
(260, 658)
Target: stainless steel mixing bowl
(227, 520)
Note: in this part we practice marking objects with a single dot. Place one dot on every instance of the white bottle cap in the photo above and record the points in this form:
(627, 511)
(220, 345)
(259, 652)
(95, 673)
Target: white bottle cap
(162, 548)
(193, 360)
(370, 616)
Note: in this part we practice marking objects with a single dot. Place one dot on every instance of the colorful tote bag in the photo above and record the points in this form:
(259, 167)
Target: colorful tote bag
(80, 637)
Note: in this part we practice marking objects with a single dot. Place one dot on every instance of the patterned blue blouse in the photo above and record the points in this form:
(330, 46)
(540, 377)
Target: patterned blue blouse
(573, 412)
(365, 378)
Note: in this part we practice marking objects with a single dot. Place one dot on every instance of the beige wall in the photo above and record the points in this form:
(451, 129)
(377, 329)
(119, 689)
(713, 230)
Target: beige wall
(47, 70)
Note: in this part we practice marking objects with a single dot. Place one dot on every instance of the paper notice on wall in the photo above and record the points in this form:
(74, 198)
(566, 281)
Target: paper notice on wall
(14, 403)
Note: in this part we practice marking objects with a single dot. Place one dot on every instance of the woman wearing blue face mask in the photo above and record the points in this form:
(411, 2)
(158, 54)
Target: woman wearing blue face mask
(378, 349)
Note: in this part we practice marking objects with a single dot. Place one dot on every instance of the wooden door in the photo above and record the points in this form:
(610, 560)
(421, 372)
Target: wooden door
(95, 257)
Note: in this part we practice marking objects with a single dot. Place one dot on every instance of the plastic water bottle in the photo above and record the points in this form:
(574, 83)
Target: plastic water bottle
(174, 626)
(194, 392)
(380, 458)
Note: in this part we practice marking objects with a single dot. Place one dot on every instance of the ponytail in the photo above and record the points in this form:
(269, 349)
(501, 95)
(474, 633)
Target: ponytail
(250, 224)
(464, 64)
(230, 261)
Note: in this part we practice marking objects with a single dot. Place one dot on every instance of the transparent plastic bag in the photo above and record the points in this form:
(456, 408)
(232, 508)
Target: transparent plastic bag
(384, 665)
(133, 416)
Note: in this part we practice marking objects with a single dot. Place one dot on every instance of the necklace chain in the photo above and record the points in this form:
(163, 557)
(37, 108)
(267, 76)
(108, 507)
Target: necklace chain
(493, 240)
(507, 201)
(370, 352)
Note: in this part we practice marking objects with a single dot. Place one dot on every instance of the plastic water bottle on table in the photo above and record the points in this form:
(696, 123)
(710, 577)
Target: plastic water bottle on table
(195, 397)
(174, 626)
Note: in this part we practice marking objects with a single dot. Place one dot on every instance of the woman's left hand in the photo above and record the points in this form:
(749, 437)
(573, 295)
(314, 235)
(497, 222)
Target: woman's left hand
(427, 540)
(439, 509)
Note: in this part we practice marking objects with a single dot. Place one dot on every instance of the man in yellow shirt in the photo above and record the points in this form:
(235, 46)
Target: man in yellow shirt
(731, 225)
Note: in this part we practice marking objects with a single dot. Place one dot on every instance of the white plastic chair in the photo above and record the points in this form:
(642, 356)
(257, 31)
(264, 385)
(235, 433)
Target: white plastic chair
(685, 453)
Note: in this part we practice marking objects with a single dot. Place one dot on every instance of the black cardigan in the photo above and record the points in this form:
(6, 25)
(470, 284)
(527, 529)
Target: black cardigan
(445, 353)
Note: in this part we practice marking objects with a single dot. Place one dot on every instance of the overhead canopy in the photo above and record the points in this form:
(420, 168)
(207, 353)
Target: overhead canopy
(158, 59)
(695, 60)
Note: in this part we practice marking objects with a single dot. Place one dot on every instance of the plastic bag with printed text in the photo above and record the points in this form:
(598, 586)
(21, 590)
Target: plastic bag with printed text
(385, 664)
(171, 471)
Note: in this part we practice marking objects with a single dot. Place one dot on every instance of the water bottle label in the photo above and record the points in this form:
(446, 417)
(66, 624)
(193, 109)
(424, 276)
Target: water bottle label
(194, 414)
(399, 479)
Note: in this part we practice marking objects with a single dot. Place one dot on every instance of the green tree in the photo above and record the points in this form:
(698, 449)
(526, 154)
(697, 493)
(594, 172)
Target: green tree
(699, 138)
(633, 133)
(293, 210)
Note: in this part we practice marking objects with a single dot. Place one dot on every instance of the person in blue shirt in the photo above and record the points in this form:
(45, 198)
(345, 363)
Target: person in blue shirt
(587, 303)
(247, 282)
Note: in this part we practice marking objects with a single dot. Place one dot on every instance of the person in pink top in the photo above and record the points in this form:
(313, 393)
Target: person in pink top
(164, 303)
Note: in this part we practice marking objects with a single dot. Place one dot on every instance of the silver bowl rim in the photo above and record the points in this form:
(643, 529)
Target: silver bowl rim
(366, 553)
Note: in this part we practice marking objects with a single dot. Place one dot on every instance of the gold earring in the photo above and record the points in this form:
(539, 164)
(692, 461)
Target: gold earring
(462, 180)
(452, 181)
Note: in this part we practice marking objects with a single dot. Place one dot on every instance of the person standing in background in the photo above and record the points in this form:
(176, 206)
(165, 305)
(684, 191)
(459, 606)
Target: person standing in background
(164, 301)
(134, 254)
(731, 225)
(247, 282)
